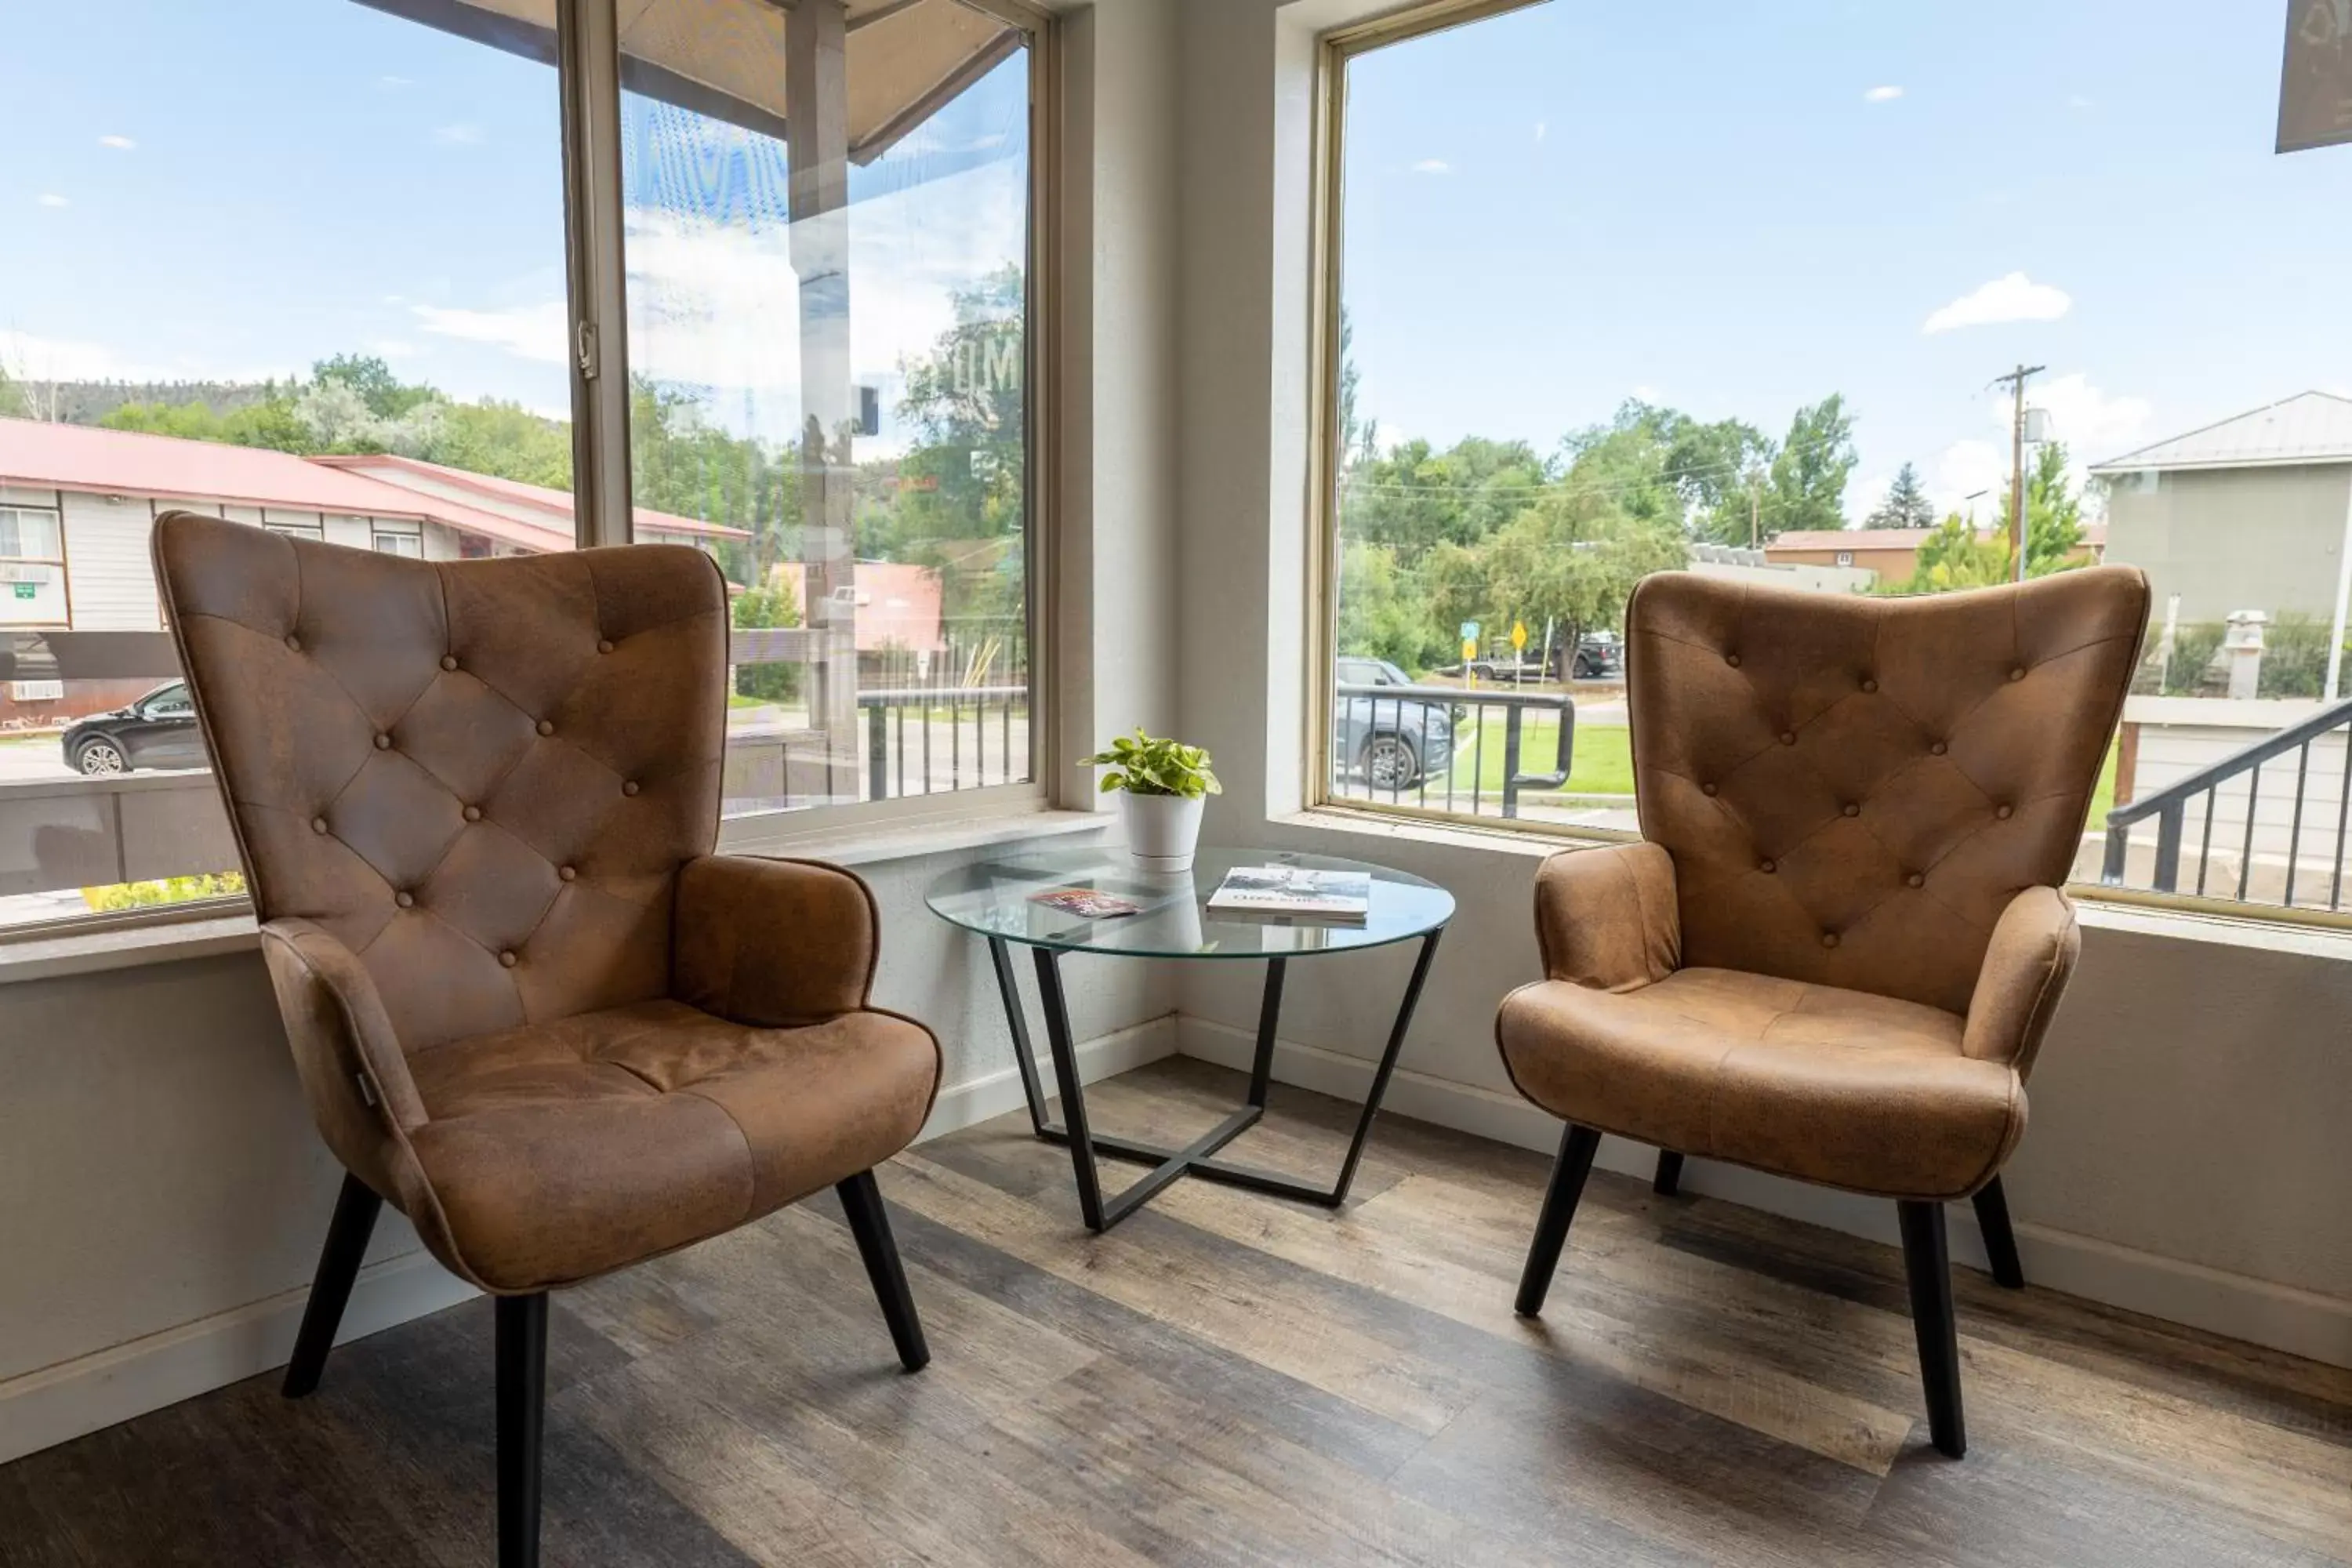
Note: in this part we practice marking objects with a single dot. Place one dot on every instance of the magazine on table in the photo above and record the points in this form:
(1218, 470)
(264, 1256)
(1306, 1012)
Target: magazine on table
(1300, 893)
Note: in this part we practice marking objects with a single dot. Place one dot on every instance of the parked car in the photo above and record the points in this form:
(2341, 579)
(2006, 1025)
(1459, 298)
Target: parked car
(159, 731)
(1391, 743)
(1601, 657)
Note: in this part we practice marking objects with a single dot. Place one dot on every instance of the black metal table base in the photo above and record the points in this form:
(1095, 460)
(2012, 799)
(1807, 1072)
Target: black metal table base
(1197, 1157)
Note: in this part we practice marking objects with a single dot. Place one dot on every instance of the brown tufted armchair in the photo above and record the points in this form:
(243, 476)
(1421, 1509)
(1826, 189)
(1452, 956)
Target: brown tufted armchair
(1835, 953)
(529, 1007)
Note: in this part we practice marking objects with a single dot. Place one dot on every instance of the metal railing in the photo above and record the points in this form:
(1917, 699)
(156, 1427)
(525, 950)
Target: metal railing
(1406, 745)
(2170, 808)
(941, 718)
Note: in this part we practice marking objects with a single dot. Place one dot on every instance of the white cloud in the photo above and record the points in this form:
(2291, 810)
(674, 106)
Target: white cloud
(120, 143)
(2012, 297)
(715, 306)
(1962, 469)
(2076, 101)
(1647, 393)
(1864, 494)
(529, 331)
(1543, 129)
(1882, 95)
(461, 134)
(2094, 424)
(51, 199)
(390, 80)
(1433, 166)
(394, 348)
(32, 358)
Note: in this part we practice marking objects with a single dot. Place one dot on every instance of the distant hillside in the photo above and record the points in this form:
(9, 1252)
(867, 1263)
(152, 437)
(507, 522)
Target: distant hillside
(88, 402)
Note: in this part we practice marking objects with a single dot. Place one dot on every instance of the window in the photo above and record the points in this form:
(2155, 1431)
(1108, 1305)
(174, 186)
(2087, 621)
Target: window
(32, 567)
(392, 540)
(829, 321)
(344, 323)
(1579, 327)
(382, 332)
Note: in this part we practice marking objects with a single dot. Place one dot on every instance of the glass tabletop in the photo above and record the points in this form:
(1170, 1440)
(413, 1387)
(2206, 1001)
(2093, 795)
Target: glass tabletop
(1004, 898)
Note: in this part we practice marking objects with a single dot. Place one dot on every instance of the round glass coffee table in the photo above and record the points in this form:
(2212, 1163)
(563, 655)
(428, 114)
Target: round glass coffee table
(1000, 900)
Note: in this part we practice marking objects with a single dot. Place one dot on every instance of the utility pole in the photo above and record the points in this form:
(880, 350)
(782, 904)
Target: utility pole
(2015, 381)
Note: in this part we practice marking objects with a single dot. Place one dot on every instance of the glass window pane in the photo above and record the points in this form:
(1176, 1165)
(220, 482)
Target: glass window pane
(322, 295)
(1766, 325)
(827, 331)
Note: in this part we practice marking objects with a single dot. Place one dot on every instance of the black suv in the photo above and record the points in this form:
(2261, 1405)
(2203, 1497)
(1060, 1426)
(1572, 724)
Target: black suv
(159, 731)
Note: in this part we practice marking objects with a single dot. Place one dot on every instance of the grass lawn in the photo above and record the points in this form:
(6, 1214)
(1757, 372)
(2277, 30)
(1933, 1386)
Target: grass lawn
(1603, 760)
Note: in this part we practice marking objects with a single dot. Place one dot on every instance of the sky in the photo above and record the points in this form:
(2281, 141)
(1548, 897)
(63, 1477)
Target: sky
(1738, 209)
(345, 180)
(1732, 211)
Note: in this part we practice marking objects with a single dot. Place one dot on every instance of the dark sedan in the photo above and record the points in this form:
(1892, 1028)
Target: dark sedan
(159, 731)
(1392, 743)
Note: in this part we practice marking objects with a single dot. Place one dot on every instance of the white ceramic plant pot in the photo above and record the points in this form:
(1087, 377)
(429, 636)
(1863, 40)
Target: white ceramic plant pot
(1162, 830)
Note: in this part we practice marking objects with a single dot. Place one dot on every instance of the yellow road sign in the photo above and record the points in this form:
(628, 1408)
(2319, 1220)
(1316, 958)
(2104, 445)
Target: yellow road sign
(1519, 636)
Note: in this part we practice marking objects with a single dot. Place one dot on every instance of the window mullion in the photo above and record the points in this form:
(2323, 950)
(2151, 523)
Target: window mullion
(589, 43)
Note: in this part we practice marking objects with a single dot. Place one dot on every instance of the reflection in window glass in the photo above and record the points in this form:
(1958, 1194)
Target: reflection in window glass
(322, 295)
(1766, 325)
(827, 333)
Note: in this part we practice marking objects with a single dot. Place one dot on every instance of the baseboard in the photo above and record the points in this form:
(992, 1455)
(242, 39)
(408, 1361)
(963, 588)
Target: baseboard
(2258, 1311)
(65, 1401)
(996, 1093)
(57, 1403)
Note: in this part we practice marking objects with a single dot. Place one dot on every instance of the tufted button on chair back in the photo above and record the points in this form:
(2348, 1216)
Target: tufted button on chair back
(481, 777)
(1852, 789)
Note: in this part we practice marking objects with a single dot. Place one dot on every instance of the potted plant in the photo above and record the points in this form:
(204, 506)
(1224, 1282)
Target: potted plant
(1163, 784)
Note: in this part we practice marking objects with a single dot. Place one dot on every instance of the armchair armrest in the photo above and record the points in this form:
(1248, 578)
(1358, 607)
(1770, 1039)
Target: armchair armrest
(2026, 967)
(1606, 917)
(353, 1068)
(773, 943)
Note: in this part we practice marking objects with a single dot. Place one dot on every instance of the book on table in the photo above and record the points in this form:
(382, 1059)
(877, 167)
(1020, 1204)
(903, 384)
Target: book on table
(1301, 893)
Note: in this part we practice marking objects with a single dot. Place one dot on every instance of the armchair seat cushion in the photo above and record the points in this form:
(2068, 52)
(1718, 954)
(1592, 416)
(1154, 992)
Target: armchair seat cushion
(558, 1151)
(1826, 1085)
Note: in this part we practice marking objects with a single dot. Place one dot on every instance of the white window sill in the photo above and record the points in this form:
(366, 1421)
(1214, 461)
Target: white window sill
(1361, 835)
(166, 940)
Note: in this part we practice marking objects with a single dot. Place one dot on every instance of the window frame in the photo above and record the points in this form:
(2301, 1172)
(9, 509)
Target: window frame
(588, 89)
(588, 65)
(1336, 49)
(63, 567)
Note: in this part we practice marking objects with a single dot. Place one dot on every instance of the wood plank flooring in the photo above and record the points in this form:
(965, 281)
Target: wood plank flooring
(1229, 1379)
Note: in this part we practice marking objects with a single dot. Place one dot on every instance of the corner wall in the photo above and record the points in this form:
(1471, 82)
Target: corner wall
(2186, 1157)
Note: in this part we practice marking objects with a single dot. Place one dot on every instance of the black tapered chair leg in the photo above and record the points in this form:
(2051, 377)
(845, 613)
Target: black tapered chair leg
(339, 1264)
(1576, 1147)
(2000, 1241)
(869, 1221)
(522, 1334)
(1669, 1179)
(1927, 1260)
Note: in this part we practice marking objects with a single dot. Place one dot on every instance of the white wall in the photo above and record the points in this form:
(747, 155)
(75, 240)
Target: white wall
(2186, 1155)
(107, 572)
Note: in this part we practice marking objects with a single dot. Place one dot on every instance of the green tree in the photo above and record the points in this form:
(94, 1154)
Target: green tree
(386, 394)
(1956, 557)
(1382, 611)
(12, 397)
(766, 606)
(1907, 504)
(1416, 498)
(1804, 487)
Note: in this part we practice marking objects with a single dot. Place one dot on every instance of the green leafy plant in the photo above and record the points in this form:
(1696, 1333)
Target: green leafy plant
(1145, 765)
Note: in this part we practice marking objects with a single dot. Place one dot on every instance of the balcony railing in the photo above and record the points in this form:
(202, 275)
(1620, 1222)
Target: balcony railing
(2288, 841)
(1451, 749)
(947, 737)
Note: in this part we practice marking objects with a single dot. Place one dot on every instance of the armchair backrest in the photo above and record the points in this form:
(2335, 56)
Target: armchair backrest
(1853, 788)
(481, 776)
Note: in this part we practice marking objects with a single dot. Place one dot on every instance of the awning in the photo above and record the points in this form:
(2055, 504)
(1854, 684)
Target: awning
(725, 58)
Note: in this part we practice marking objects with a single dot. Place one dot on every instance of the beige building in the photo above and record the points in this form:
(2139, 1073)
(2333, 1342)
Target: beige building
(2249, 514)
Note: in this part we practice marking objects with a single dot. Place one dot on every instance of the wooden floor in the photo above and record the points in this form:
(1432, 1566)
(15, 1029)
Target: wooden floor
(1232, 1379)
